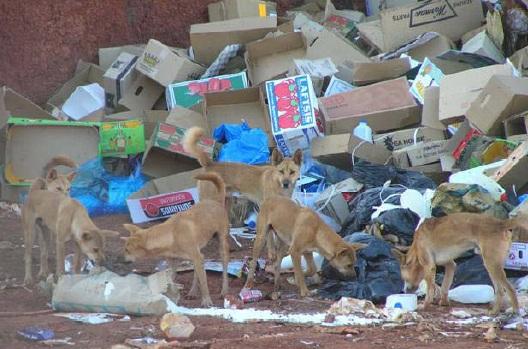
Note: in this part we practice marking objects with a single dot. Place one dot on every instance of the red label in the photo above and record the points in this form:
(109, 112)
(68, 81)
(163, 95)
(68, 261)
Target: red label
(167, 205)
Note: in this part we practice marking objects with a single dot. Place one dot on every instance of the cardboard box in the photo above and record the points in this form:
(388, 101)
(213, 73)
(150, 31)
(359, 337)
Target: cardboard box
(482, 45)
(518, 257)
(373, 7)
(270, 58)
(335, 200)
(448, 17)
(367, 73)
(433, 171)
(430, 111)
(107, 55)
(428, 45)
(513, 172)
(142, 94)
(428, 75)
(118, 79)
(149, 118)
(164, 65)
(85, 74)
(502, 97)
(419, 154)
(458, 91)
(209, 39)
(404, 138)
(372, 34)
(165, 154)
(516, 125)
(32, 143)
(186, 118)
(520, 61)
(121, 138)
(386, 106)
(375, 153)
(453, 144)
(333, 150)
(231, 9)
(472, 33)
(189, 93)
(293, 113)
(231, 107)
(163, 197)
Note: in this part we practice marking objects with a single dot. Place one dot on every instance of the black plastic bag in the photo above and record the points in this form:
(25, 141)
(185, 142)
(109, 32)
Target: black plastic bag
(401, 222)
(378, 273)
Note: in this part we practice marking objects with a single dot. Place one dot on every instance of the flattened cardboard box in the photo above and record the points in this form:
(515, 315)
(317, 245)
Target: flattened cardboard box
(232, 9)
(86, 74)
(502, 97)
(270, 58)
(231, 107)
(165, 154)
(386, 106)
(209, 39)
(32, 143)
(419, 154)
(333, 150)
(164, 65)
(452, 18)
(404, 138)
(459, 90)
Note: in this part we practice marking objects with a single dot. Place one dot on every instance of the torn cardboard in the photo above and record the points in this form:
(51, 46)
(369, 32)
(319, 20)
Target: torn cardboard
(32, 143)
(385, 106)
(403, 138)
(118, 78)
(270, 58)
(165, 65)
(231, 107)
(459, 90)
(419, 154)
(85, 74)
(368, 73)
(502, 97)
(335, 200)
(231, 9)
(209, 39)
(332, 150)
(375, 153)
(448, 17)
(512, 175)
(428, 45)
(430, 111)
(293, 112)
(165, 154)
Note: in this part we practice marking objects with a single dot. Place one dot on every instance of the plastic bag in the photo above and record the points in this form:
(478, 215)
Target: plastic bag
(372, 176)
(102, 192)
(400, 222)
(244, 144)
(378, 273)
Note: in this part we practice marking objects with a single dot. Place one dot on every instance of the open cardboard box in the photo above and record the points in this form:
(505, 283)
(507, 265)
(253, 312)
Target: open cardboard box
(85, 74)
(367, 73)
(403, 138)
(333, 150)
(32, 143)
(385, 106)
(230, 107)
(209, 39)
(419, 154)
(165, 155)
(118, 78)
(512, 174)
(272, 57)
(516, 125)
(375, 153)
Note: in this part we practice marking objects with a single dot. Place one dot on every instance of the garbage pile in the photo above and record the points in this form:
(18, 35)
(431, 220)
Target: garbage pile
(399, 120)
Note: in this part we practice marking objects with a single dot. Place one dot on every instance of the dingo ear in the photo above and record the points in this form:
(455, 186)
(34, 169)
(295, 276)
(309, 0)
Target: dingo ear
(297, 157)
(357, 246)
(108, 233)
(276, 157)
(52, 175)
(70, 176)
(132, 229)
(400, 256)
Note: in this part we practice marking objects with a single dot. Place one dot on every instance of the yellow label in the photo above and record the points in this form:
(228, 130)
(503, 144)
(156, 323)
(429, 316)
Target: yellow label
(262, 9)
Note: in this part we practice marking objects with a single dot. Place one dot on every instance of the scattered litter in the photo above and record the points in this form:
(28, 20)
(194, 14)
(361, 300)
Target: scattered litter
(347, 305)
(10, 207)
(176, 326)
(145, 343)
(472, 294)
(36, 333)
(455, 334)
(250, 296)
(405, 302)
(491, 335)
(460, 314)
(86, 264)
(94, 318)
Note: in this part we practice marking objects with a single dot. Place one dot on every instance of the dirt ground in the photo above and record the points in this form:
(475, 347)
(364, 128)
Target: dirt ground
(432, 332)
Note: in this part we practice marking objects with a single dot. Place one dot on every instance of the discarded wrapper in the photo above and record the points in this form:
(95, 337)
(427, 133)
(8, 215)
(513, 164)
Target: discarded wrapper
(250, 296)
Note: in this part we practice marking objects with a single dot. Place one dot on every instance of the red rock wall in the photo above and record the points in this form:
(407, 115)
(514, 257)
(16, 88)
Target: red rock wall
(41, 41)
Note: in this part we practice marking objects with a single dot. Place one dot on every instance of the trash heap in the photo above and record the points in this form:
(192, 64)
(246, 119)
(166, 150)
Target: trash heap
(403, 113)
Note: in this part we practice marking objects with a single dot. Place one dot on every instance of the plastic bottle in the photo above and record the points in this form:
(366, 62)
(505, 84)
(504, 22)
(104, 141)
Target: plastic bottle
(363, 131)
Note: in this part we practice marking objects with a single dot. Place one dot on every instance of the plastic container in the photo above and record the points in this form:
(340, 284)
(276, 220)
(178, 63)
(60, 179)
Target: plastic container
(287, 263)
(472, 294)
(84, 101)
(406, 302)
(363, 131)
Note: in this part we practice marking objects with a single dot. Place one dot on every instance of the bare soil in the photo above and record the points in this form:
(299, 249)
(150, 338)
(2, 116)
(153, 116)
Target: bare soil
(213, 332)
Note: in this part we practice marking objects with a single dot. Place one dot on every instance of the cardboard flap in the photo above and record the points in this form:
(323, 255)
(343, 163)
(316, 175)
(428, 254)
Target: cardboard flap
(16, 105)
(142, 94)
(375, 153)
(328, 44)
(107, 55)
(430, 113)
(366, 73)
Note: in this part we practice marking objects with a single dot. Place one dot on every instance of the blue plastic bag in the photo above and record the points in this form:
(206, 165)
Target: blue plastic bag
(102, 192)
(244, 144)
